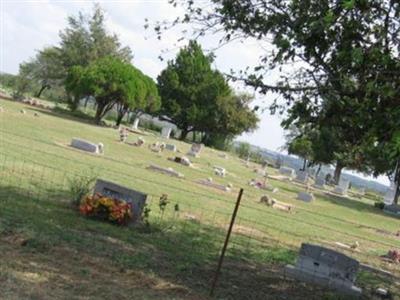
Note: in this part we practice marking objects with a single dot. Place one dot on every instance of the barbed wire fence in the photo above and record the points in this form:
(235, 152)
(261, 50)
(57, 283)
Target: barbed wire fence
(37, 179)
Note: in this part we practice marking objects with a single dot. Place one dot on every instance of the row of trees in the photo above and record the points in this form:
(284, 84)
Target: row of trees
(343, 96)
(89, 63)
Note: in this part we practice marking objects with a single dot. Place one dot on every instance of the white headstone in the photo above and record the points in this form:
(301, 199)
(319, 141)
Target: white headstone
(389, 196)
(165, 132)
(136, 123)
(195, 150)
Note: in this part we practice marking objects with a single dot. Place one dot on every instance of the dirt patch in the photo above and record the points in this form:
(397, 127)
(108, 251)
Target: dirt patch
(64, 273)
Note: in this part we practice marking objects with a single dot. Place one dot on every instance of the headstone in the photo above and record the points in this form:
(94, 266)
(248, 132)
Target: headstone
(320, 182)
(219, 171)
(342, 187)
(287, 171)
(261, 172)
(195, 150)
(214, 185)
(165, 132)
(390, 194)
(168, 171)
(136, 124)
(306, 197)
(326, 267)
(302, 177)
(110, 189)
(170, 147)
(393, 209)
(85, 145)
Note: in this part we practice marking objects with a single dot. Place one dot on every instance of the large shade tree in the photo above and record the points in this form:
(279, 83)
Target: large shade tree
(110, 82)
(349, 60)
(189, 89)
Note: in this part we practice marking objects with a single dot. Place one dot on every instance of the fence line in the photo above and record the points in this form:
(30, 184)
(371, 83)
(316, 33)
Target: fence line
(175, 188)
(36, 172)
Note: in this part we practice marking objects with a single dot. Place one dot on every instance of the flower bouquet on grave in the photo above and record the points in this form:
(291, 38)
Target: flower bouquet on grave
(107, 209)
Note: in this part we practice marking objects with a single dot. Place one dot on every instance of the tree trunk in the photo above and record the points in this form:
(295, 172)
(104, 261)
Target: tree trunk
(86, 102)
(184, 133)
(41, 90)
(318, 170)
(397, 182)
(122, 109)
(99, 114)
(304, 164)
(194, 136)
(338, 172)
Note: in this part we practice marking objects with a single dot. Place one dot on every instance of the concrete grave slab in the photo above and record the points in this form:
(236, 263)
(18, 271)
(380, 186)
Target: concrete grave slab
(213, 185)
(167, 171)
(85, 146)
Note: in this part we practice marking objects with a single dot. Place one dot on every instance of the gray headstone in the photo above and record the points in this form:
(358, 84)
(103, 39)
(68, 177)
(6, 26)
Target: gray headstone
(326, 267)
(85, 145)
(119, 192)
(306, 197)
(320, 182)
(287, 171)
(195, 150)
(170, 147)
(302, 177)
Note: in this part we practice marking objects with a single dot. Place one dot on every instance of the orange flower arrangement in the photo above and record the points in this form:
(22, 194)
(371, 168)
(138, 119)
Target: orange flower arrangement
(106, 208)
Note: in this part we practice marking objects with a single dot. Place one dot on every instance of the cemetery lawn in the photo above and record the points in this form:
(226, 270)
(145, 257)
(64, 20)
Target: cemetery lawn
(49, 251)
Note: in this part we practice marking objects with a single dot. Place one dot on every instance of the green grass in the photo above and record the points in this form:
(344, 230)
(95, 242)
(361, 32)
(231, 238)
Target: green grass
(36, 165)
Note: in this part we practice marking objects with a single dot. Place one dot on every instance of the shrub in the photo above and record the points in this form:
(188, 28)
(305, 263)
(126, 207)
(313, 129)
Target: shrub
(80, 187)
(379, 204)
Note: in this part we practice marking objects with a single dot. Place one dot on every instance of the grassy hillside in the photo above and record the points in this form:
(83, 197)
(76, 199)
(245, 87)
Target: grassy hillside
(55, 248)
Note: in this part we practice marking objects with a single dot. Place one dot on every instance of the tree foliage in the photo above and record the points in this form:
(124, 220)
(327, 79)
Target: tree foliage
(197, 98)
(111, 82)
(189, 89)
(348, 77)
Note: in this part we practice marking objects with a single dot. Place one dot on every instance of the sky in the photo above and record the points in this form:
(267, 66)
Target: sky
(27, 26)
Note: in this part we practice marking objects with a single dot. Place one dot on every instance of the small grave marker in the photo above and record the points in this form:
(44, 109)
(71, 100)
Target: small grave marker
(170, 147)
